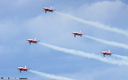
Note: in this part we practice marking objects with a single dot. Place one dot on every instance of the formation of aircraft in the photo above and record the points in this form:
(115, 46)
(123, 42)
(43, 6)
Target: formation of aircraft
(77, 34)
(48, 10)
(22, 69)
(32, 41)
(106, 53)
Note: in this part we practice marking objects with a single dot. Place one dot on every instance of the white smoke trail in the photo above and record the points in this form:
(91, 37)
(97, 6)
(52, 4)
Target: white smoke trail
(113, 44)
(87, 55)
(109, 42)
(95, 24)
(50, 76)
(122, 57)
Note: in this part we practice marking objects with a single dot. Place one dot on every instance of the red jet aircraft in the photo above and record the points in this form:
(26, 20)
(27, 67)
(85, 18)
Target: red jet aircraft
(22, 69)
(32, 41)
(106, 53)
(77, 33)
(48, 9)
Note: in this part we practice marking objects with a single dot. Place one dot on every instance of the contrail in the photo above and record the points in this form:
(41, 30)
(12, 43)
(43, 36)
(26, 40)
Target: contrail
(122, 57)
(50, 76)
(87, 55)
(95, 24)
(121, 45)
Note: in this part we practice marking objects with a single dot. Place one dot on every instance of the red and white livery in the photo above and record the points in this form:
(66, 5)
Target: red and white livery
(22, 69)
(77, 34)
(106, 53)
(48, 10)
(32, 41)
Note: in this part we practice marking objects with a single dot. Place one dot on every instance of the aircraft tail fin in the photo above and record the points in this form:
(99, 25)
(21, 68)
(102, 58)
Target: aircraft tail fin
(108, 50)
(25, 66)
(34, 38)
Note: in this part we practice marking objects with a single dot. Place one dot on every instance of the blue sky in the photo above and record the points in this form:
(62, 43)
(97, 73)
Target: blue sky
(24, 19)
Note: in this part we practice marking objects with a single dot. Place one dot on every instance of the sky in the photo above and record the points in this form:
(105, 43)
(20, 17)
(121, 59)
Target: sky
(25, 19)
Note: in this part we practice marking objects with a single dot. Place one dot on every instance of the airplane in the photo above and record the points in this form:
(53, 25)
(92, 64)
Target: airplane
(32, 41)
(22, 69)
(48, 9)
(77, 33)
(106, 53)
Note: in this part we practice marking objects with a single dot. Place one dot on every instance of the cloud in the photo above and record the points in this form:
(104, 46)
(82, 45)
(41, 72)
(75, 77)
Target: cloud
(104, 11)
